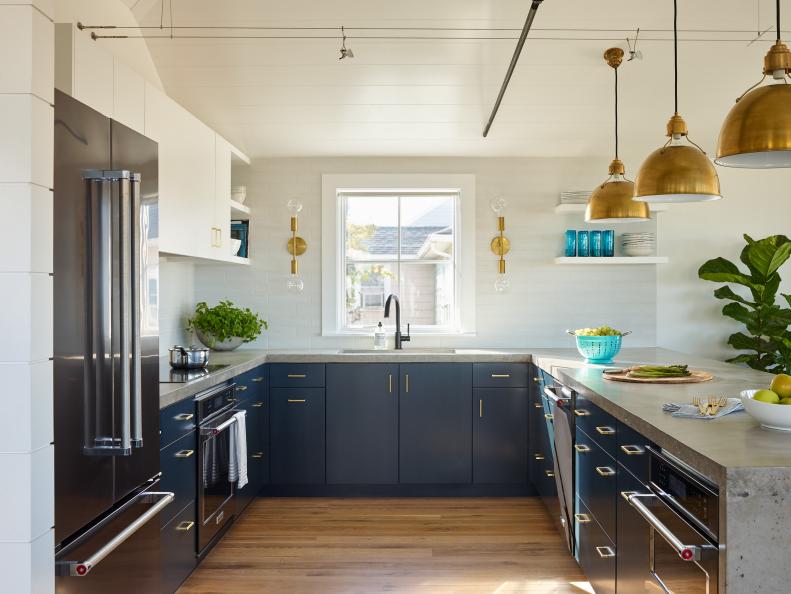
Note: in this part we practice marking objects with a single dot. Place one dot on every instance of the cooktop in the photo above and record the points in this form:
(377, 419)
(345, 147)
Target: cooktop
(168, 375)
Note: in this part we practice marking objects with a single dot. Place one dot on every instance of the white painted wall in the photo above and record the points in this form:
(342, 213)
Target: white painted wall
(26, 164)
(545, 300)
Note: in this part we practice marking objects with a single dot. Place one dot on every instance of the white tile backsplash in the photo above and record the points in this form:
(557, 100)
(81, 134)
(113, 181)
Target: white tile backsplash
(176, 302)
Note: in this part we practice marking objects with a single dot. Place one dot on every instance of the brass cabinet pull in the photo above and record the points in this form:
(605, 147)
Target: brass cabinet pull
(605, 552)
(184, 417)
(605, 430)
(241, 388)
(258, 379)
(184, 453)
(185, 526)
(480, 408)
(538, 457)
(296, 401)
(538, 405)
(406, 378)
(627, 494)
(550, 473)
(297, 375)
(216, 237)
(390, 383)
(581, 412)
(632, 450)
(582, 448)
(257, 455)
(535, 379)
(501, 375)
(548, 417)
(605, 471)
(257, 405)
(231, 399)
(582, 518)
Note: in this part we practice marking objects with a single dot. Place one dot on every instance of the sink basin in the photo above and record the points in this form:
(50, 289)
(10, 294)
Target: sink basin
(418, 351)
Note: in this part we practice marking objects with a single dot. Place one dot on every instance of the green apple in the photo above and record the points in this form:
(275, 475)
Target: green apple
(785, 401)
(781, 385)
(767, 396)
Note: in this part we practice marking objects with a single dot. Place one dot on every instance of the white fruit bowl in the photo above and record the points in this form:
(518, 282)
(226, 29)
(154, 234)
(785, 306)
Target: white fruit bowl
(771, 416)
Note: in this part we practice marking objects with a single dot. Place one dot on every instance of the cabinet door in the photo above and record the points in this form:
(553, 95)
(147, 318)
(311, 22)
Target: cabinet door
(128, 97)
(93, 74)
(296, 426)
(500, 435)
(596, 553)
(255, 454)
(362, 424)
(178, 548)
(634, 541)
(435, 433)
(222, 197)
(178, 462)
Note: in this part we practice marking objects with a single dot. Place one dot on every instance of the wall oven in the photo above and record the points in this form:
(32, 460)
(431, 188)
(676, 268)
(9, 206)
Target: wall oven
(215, 414)
(681, 513)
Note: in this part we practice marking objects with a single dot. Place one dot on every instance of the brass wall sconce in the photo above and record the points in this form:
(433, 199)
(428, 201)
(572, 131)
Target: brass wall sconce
(296, 246)
(500, 244)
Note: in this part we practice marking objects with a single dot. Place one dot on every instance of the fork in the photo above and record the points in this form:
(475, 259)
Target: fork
(702, 408)
(715, 404)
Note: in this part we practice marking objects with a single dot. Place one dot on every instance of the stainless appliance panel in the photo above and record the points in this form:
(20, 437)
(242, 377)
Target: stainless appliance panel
(84, 484)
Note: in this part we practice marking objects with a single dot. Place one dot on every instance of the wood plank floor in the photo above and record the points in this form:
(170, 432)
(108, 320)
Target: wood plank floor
(406, 545)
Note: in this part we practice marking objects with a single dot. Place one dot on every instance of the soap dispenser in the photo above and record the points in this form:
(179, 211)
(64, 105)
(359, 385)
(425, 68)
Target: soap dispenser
(380, 338)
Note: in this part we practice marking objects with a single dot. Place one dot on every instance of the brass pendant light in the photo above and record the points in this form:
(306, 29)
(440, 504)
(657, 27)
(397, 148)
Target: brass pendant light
(679, 171)
(757, 132)
(613, 201)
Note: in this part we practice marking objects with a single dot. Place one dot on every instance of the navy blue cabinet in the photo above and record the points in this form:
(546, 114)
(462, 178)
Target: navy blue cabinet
(435, 433)
(177, 549)
(362, 424)
(177, 463)
(500, 435)
(297, 438)
(256, 457)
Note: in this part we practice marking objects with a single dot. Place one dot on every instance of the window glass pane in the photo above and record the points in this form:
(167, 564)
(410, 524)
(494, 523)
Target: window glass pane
(427, 294)
(427, 227)
(371, 228)
(366, 288)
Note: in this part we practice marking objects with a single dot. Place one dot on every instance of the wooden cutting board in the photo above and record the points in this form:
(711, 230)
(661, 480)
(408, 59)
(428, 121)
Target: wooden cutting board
(697, 377)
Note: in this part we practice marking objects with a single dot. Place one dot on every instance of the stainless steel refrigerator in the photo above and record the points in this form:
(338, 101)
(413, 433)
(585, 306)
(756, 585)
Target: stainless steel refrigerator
(106, 347)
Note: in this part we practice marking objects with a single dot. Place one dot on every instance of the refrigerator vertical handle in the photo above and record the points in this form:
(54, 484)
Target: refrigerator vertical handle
(137, 253)
(123, 243)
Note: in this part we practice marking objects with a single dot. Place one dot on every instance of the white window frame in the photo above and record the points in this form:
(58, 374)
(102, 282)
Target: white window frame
(333, 254)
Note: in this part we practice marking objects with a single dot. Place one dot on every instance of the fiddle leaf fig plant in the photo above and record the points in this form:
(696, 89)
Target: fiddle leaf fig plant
(767, 338)
(225, 320)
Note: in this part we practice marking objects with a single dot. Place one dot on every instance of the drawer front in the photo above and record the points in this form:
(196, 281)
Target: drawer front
(632, 452)
(297, 436)
(178, 548)
(499, 375)
(596, 481)
(176, 421)
(599, 425)
(252, 384)
(595, 551)
(296, 375)
(179, 467)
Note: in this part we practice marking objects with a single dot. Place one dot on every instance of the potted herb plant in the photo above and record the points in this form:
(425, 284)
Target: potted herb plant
(225, 327)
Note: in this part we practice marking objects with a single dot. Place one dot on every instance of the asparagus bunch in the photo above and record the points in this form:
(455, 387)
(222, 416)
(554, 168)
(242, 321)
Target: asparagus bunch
(659, 371)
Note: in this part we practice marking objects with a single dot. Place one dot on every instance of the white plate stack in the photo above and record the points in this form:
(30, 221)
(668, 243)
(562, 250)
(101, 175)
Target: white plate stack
(239, 194)
(638, 244)
(575, 197)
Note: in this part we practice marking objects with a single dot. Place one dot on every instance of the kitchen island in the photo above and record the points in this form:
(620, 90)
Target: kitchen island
(750, 466)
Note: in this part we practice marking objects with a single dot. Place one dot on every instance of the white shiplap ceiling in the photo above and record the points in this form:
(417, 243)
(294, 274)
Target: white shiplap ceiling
(433, 97)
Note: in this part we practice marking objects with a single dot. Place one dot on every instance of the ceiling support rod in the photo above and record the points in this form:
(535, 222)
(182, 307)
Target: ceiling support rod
(517, 52)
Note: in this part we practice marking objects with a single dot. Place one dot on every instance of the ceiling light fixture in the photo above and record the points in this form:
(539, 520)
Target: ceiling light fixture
(679, 171)
(613, 201)
(345, 52)
(756, 134)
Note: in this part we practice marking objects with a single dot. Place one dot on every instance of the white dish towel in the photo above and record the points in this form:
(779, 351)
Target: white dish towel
(691, 411)
(237, 465)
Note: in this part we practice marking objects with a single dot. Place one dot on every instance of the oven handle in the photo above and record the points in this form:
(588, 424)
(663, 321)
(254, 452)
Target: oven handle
(686, 552)
(222, 426)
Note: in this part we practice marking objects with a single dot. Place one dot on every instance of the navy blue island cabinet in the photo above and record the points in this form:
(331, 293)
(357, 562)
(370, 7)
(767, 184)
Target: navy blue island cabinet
(435, 433)
(362, 424)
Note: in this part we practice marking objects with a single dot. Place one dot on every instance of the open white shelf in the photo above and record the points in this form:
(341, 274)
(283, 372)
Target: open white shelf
(618, 260)
(567, 208)
(237, 208)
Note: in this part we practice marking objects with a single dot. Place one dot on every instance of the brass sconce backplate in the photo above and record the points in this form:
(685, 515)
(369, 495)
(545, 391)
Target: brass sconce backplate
(500, 246)
(296, 246)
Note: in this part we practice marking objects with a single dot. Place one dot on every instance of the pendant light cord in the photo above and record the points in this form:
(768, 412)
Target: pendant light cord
(616, 112)
(777, 16)
(675, 53)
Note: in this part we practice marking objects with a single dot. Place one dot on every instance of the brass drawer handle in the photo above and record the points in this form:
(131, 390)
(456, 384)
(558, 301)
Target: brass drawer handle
(257, 455)
(390, 383)
(184, 453)
(550, 473)
(632, 450)
(184, 417)
(501, 375)
(406, 378)
(296, 401)
(548, 417)
(605, 430)
(582, 518)
(297, 375)
(582, 448)
(538, 405)
(537, 380)
(581, 412)
(605, 552)
(241, 388)
(258, 379)
(257, 405)
(185, 526)
(480, 408)
(605, 471)
(627, 494)
(538, 456)
(231, 399)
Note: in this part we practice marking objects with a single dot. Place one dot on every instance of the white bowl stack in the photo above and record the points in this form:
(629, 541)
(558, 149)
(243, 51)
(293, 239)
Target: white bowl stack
(238, 194)
(638, 244)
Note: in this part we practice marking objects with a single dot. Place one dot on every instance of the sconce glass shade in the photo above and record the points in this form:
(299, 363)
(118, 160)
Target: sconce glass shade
(295, 283)
(613, 201)
(502, 284)
(498, 205)
(294, 207)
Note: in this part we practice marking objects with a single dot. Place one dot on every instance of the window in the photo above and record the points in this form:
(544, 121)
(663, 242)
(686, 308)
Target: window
(404, 240)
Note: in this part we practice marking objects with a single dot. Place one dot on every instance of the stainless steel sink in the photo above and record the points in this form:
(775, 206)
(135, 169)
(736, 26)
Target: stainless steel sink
(416, 351)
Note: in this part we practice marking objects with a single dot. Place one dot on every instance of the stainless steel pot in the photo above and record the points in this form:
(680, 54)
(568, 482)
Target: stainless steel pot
(188, 357)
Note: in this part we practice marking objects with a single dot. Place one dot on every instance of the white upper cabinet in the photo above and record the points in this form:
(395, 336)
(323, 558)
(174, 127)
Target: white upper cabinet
(83, 69)
(129, 105)
(222, 195)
